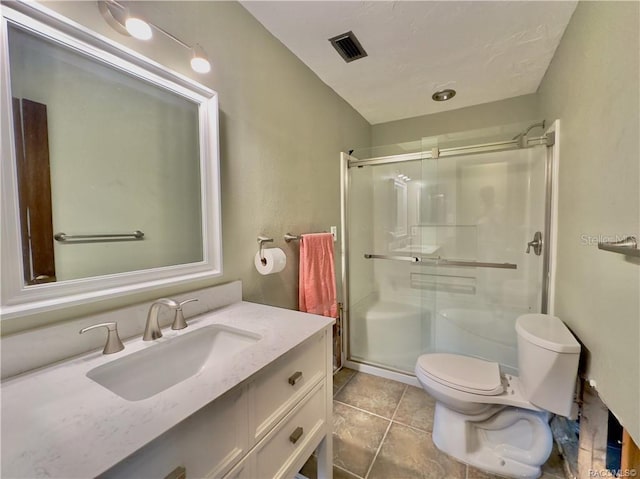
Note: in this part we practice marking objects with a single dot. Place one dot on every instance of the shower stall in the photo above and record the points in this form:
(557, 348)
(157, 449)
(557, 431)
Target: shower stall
(446, 241)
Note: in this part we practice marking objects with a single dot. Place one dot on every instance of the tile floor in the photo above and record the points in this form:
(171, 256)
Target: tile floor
(382, 430)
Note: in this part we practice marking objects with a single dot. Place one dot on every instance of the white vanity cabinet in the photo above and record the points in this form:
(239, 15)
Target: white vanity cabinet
(265, 427)
(207, 444)
(284, 446)
(278, 388)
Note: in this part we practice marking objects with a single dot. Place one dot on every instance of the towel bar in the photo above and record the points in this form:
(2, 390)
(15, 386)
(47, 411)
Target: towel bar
(136, 235)
(627, 246)
(288, 237)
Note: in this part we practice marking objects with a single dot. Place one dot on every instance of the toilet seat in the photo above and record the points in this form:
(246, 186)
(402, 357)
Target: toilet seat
(463, 373)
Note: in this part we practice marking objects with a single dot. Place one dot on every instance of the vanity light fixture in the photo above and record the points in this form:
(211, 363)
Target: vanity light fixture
(199, 61)
(123, 21)
(138, 28)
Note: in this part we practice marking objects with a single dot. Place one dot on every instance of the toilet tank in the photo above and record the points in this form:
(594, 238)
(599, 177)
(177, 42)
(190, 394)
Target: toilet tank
(548, 356)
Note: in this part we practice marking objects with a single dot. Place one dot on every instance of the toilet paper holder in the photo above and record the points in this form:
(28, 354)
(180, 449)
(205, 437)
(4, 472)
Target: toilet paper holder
(261, 241)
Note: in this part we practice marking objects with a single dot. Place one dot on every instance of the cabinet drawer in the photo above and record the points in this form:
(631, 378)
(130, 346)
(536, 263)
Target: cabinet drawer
(281, 448)
(276, 391)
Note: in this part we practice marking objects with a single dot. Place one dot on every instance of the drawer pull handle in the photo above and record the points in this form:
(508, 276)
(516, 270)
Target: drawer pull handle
(295, 435)
(294, 377)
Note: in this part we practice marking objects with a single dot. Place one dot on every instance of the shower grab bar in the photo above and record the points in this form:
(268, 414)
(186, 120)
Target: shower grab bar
(136, 235)
(627, 246)
(437, 261)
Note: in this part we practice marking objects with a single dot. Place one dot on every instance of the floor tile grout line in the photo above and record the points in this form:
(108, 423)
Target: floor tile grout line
(415, 428)
(404, 392)
(384, 437)
(378, 450)
(348, 471)
(362, 410)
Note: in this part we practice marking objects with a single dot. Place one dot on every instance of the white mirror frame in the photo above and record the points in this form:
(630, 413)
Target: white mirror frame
(17, 299)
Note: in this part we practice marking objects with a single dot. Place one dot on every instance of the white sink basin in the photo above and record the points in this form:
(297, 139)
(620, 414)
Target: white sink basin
(160, 366)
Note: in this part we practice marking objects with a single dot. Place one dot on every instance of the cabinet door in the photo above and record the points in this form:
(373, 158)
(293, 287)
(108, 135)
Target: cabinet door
(245, 469)
(207, 444)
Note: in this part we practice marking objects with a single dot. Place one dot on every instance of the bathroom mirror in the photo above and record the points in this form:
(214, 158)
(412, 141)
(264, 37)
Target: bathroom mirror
(398, 209)
(109, 168)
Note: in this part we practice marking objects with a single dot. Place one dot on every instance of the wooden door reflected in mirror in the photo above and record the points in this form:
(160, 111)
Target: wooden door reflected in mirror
(34, 186)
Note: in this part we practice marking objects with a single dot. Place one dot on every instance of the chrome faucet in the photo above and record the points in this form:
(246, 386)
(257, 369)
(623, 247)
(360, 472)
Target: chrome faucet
(152, 328)
(113, 344)
(179, 321)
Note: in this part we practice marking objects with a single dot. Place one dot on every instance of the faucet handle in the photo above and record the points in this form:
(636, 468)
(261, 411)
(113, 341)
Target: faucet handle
(113, 344)
(179, 321)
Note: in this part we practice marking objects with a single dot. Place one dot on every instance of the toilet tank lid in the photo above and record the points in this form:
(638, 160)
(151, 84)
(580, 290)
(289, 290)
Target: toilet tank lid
(548, 332)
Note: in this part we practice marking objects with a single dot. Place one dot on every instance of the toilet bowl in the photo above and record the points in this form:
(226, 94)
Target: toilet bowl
(500, 422)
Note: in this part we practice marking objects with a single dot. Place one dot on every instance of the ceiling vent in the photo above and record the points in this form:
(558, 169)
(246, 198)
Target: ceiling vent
(348, 47)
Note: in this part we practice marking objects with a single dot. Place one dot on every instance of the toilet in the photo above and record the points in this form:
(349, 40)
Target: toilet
(498, 422)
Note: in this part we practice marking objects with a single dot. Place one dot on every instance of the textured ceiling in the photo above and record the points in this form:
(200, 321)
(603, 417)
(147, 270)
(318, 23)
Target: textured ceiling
(487, 51)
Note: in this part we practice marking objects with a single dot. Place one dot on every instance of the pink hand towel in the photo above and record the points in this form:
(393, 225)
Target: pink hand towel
(317, 275)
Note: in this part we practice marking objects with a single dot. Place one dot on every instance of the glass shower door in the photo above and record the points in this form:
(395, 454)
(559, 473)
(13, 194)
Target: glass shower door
(479, 211)
(390, 322)
(437, 257)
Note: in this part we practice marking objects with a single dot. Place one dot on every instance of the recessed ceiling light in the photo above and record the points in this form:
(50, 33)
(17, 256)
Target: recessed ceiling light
(444, 95)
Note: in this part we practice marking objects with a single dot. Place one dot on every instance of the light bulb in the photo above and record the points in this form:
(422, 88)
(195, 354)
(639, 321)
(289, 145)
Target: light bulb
(199, 61)
(138, 28)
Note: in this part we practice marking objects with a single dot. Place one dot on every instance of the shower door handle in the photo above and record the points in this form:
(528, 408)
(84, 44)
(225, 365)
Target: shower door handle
(413, 259)
(438, 261)
(536, 243)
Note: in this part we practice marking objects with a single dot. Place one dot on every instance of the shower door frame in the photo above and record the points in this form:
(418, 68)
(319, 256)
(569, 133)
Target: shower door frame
(551, 139)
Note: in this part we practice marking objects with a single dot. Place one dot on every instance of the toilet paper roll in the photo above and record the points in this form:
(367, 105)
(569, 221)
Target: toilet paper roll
(275, 261)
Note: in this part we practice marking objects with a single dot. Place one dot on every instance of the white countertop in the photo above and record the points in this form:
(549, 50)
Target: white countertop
(56, 422)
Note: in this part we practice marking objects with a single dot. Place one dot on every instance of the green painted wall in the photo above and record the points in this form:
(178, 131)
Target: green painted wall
(512, 110)
(592, 86)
